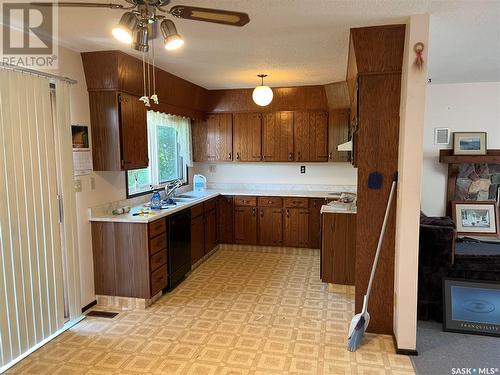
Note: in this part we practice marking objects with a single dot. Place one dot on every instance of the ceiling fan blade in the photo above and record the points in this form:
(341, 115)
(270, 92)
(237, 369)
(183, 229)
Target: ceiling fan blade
(81, 5)
(225, 17)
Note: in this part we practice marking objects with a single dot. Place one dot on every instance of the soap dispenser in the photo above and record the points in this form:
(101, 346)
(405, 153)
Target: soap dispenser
(156, 201)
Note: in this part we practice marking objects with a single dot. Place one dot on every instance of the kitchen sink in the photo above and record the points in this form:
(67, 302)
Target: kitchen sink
(190, 196)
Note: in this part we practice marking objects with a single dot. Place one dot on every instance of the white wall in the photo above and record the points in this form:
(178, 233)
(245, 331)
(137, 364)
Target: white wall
(109, 186)
(279, 173)
(413, 90)
(461, 107)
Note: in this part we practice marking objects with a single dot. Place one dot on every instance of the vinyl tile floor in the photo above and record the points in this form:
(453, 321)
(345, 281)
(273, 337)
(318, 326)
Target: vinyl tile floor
(240, 312)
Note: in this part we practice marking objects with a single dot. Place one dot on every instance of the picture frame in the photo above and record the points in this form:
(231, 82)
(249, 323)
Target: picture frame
(471, 306)
(478, 218)
(470, 143)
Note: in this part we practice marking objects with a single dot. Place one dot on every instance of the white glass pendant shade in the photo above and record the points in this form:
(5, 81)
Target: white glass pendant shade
(262, 95)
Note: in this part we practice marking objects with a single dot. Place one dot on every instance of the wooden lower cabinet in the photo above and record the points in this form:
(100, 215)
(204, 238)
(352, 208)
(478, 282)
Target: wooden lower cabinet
(225, 219)
(197, 234)
(210, 218)
(296, 230)
(245, 225)
(315, 222)
(130, 259)
(270, 226)
(338, 248)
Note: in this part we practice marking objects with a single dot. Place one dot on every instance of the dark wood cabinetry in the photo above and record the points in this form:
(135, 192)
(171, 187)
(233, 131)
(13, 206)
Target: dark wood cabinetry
(197, 233)
(210, 219)
(296, 232)
(310, 136)
(220, 137)
(130, 259)
(199, 136)
(225, 219)
(270, 226)
(338, 133)
(119, 131)
(247, 137)
(245, 225)
(338, 248)
(277, 136)
(315, 222)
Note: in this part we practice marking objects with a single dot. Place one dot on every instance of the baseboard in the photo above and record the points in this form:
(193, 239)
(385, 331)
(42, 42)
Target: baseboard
(411, 352)
(89, 306)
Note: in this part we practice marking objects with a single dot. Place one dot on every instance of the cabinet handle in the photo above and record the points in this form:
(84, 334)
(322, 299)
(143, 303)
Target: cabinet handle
(269, 202)
(261, 213)
(330, 155)
(299, 156)
(290, 156)
(229, 156)
(237, 156)
(287, 213)
(253, 211)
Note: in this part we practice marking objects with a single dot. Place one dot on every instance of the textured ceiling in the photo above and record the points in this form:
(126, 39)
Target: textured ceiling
(304, 42)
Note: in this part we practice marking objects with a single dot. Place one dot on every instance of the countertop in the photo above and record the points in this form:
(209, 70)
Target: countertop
(326, 209)
(158, 214)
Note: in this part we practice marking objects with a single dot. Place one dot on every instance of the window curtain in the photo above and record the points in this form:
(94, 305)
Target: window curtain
(183, 127)
(32, 288)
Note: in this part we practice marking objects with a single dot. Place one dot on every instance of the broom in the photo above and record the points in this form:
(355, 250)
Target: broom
(360, 321)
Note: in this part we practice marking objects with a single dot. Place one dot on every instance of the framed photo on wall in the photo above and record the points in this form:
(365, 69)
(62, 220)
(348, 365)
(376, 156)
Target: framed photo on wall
(469, 143)
(478, 218)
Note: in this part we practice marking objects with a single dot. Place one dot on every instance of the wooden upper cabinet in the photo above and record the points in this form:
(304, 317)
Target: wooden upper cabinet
(247, 137)
(310, 136)
(277, 136)
(338, 133)
(119, 131)
(220, 137)
(199, 135)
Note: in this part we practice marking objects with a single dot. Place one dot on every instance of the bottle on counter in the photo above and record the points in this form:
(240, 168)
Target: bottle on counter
(156, 201)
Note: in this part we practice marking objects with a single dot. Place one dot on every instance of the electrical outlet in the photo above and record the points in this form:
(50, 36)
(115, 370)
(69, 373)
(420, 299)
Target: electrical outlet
(92, 183)
(302, 169)
(212, 168)
(78, 186)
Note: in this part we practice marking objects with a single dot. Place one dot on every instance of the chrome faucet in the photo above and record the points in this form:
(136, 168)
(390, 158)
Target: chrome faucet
(171, 187)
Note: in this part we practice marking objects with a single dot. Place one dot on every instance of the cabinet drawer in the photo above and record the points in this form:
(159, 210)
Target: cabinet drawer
(297, 202)
(270, 202)
(157, 227)
(245, 201)
(158, 243)
(158, 260)
(209, 205)
(197, 210)
(158, 280)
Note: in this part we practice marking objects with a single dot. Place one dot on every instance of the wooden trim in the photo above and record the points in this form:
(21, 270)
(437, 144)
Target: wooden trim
(89, 306)
(492, 157)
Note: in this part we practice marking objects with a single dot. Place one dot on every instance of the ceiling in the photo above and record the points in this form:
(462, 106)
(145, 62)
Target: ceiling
(303, 42)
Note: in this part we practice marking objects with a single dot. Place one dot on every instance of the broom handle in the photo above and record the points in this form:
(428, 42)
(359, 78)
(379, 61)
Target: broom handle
(381, 238)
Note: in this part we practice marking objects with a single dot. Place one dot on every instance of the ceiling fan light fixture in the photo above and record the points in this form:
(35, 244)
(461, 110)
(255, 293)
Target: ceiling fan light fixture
(170, 35)
(141, 39)
(124, 30)
(262, 95)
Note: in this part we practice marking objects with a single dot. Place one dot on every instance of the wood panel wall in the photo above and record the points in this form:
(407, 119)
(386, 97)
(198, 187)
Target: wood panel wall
(378, 54)
(117, 71)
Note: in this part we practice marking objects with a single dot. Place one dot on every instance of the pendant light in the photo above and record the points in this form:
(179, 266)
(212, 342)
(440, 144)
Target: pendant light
(262, 95)
(124, 30)
(172, 38)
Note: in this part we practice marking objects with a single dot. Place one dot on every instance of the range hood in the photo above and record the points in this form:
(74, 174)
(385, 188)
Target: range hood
(345, 146)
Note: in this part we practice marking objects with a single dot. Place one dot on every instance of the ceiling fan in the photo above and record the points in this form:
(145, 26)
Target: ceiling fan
(138, 24)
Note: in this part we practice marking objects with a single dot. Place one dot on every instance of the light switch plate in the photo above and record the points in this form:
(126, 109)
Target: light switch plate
(302, 169)
(78, 186)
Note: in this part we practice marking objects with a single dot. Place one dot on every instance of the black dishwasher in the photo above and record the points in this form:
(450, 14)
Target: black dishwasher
(179, 247)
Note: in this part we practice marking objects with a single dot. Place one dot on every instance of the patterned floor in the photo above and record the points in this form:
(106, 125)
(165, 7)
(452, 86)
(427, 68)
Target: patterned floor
(241, 312)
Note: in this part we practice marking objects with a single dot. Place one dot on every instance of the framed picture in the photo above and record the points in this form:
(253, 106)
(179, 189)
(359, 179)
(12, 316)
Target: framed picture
(469, 143)
(478, 218)
(471, 306)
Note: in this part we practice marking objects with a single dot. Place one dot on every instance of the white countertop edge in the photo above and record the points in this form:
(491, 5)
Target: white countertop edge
(128, 218)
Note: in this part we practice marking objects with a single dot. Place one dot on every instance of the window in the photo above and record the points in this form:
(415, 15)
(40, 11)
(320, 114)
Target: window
(169, 139)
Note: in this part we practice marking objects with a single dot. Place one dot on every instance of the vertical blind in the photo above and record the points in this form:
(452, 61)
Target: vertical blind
(31, 236)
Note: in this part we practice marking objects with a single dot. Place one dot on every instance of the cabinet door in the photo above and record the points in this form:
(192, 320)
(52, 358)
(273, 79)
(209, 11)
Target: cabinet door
(134, 132)
(302, 135)
(315, 222)
(220, 137)
(270, 226)
(296, 227)
(210, 231)
(245, 225)
(200, 140)
(197, 238)
(247, 136)
(318, 138)
(338, 133)
(225, 219)
(277, 136)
